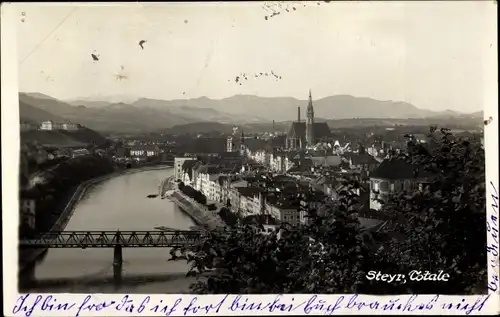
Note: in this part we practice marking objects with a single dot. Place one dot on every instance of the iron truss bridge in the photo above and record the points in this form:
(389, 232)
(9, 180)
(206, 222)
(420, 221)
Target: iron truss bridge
(110, 239)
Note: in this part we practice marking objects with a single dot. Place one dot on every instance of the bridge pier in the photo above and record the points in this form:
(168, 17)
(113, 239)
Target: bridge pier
(117, 263)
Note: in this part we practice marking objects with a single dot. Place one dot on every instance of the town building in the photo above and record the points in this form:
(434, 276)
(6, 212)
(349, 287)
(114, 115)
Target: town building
(394, 175)
(236, 143)
(27, 204)
(187, 171)
(27, 198)
(306, 134)
(145, 151)
(46, 125)
(178, 166)
(122, 152)
(362, 161)
(51, 125)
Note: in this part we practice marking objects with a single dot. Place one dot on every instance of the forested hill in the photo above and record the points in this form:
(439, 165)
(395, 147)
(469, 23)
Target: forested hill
(60, 138)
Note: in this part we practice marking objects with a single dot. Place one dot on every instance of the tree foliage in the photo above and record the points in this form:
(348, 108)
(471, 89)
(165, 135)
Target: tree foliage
(228, 217)
(441, 227)
(63, 180)
(193, 193)
(444, 223)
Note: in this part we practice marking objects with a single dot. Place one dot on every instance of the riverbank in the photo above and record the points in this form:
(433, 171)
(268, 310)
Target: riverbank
(85, 186)
(27, 257)
(198, 212)
(165, 186)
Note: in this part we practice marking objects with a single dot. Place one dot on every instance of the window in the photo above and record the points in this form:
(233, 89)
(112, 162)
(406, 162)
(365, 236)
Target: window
(384, 186)
(397, 186)
(392, 187)
(407, 185)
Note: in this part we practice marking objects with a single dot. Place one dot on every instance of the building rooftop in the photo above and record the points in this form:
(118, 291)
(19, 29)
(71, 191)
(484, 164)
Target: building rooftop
(397, 168)
(298, 130)
(331, 160)
(363, 159)
(250, 191)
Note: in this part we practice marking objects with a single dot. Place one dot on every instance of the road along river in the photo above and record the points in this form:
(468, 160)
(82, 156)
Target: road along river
(119, 203)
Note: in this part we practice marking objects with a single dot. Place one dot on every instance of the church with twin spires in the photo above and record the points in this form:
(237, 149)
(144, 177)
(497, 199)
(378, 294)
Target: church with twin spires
(309, 133)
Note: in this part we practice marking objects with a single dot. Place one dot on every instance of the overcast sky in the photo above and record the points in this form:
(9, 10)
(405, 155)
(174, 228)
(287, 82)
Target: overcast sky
(425, 53)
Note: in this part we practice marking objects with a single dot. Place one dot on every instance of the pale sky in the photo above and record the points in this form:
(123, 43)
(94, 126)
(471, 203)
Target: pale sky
(427, 53)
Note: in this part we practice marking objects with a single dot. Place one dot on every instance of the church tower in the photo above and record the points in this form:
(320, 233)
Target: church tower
(242, 144)
(310, 122)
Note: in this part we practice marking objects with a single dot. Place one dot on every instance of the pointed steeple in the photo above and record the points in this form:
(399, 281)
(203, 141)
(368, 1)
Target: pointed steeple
(310, 122)
(310, 109)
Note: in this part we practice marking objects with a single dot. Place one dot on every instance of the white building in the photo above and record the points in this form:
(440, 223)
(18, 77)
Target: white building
(50, 125)
(69, 126)
(46, 125)
(178, 161)
(145, 151)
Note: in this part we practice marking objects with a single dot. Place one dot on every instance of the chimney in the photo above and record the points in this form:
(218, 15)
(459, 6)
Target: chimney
(298, 114)
(273, 125)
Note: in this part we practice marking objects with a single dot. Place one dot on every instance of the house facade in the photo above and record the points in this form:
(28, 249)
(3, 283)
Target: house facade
(27, 208)
(178, 164)
(393, 176)
(145, 151)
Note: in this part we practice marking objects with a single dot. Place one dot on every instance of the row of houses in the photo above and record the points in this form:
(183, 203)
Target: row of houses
(138, 151)
(40, 154)
(275, 184)
(291, 161)
(379, 177)
(246, 194)
(49, 126)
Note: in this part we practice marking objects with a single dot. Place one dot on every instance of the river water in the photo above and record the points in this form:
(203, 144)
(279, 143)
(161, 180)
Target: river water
(119, 203)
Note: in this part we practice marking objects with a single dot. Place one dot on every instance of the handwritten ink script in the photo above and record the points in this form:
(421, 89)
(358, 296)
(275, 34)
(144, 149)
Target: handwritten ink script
(190, 305)
(492, 245)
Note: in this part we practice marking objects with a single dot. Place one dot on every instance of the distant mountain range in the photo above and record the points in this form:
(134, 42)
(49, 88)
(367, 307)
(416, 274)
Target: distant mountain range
(146, 114)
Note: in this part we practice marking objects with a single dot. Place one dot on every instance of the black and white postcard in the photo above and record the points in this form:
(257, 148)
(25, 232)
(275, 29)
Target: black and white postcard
(312, 156)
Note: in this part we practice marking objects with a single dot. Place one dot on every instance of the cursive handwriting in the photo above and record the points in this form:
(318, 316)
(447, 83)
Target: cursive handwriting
(188, 305)
(44, 303)
(492, 247)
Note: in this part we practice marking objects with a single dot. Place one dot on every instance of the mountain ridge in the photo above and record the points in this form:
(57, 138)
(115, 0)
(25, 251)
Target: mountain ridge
(148, 114)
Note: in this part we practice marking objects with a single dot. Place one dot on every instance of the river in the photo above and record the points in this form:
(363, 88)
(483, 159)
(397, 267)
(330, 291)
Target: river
(119, 203)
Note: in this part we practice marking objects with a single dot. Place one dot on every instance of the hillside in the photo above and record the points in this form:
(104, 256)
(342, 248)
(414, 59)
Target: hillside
(146, 115)
(253, 109)
(80, 138)
(50, 138)
(332, 107)
(199, 127)
(30, 113)
(283, 126)
(199, 109)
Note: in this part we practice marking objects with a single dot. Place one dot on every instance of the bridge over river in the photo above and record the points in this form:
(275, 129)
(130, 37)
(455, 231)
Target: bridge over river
(113, 239)
(117, 204)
